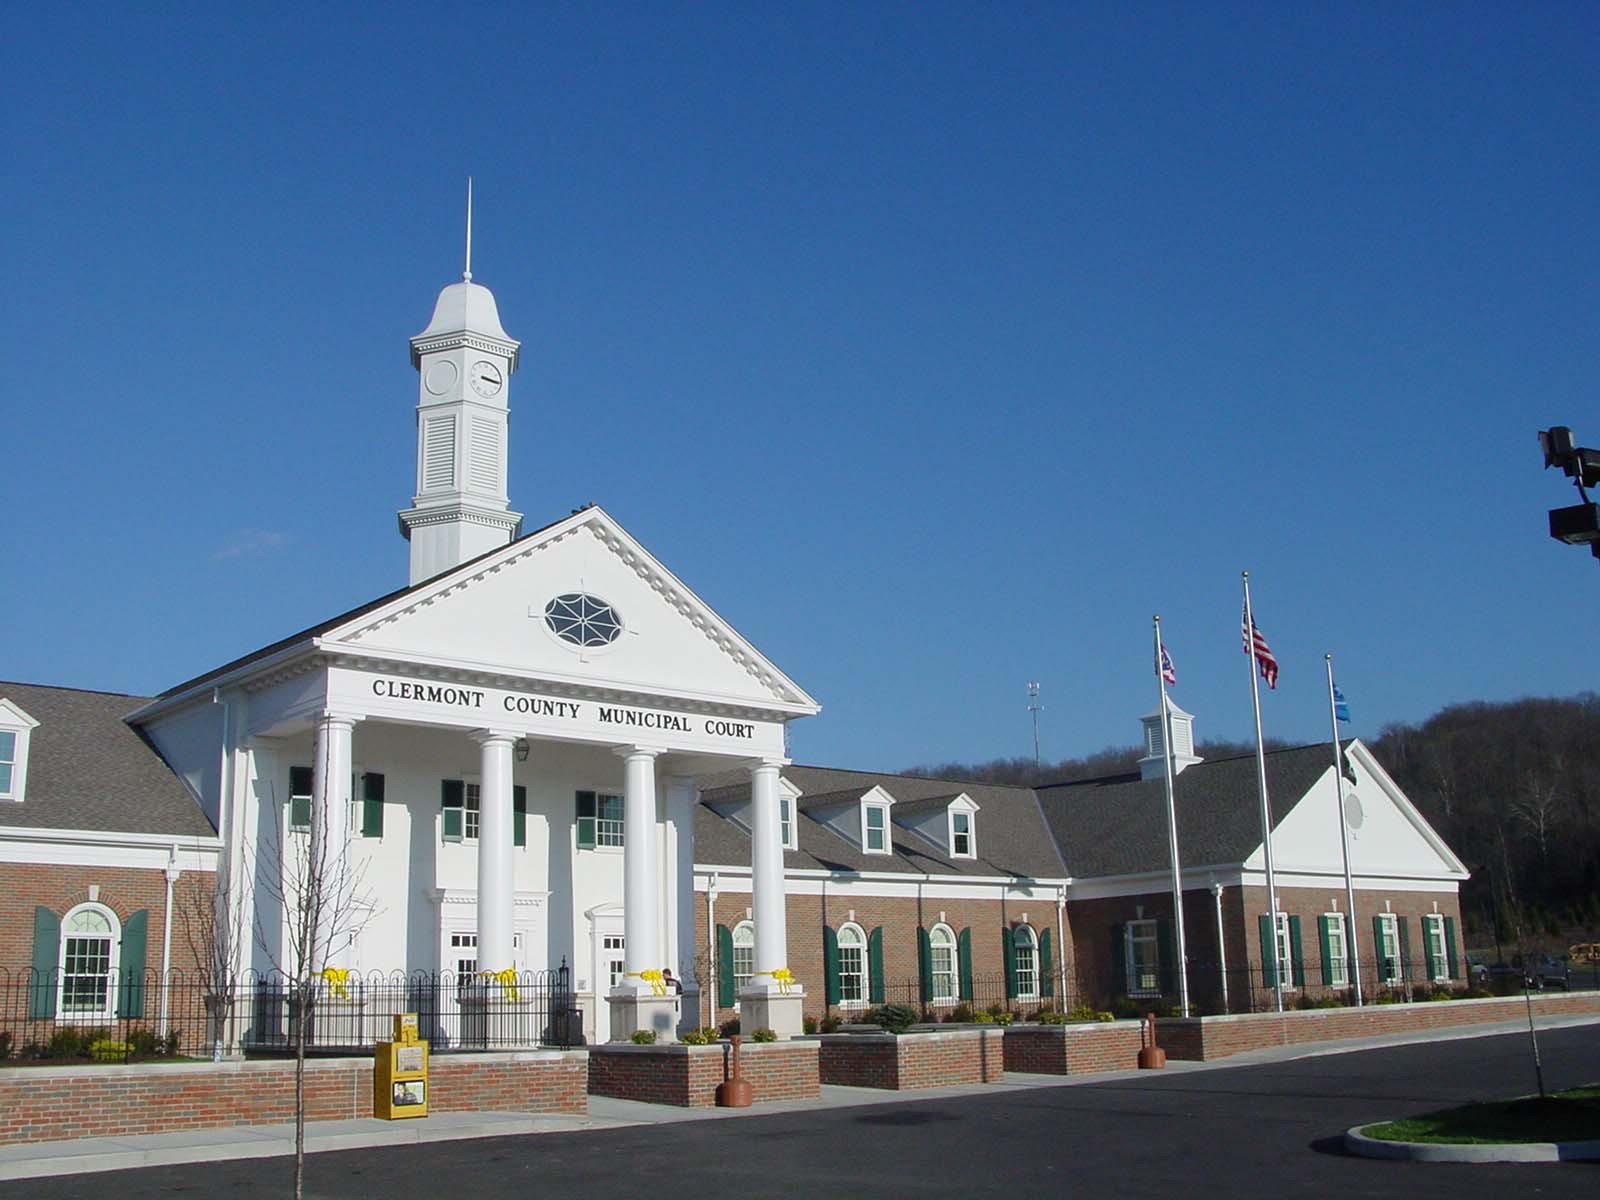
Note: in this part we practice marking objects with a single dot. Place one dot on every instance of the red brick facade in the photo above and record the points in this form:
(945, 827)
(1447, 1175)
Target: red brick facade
(46, 1104)
(913, 1060)
(687, 1076)
(1074, 1049)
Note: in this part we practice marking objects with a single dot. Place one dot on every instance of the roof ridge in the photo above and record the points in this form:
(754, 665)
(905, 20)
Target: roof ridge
(62, 687)
(1017, 787)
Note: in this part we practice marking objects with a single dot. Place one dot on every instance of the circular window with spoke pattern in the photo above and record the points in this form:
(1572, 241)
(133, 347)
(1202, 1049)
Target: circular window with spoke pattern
(583, 620)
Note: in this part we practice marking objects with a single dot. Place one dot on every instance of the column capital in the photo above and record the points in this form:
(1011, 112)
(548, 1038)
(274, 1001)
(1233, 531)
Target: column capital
(485, 736)
(763, 764)
(334, 719)
(637, 751)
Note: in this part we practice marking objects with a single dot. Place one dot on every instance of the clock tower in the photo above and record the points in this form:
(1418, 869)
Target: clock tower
(464, 361)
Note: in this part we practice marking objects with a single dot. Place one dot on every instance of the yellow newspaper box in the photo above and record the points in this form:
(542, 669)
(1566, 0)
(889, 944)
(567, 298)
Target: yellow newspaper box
(400, 1074)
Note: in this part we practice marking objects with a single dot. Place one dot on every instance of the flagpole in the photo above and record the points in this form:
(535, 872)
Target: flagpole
(1172, 830)
(1261, 788)
(1344, 834)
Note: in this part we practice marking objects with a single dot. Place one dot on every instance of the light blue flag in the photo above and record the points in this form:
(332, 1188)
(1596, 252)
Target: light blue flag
(1341, 706)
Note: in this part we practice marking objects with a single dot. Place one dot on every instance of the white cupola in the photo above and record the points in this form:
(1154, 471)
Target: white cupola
(464, 361)
(1183, 755)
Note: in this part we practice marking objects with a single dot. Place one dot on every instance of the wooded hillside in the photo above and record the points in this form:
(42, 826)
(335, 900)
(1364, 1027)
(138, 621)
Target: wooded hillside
(1513, 787)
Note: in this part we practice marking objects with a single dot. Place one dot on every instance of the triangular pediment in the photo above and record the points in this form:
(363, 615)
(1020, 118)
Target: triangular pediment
(1388, 836)
(489, 616)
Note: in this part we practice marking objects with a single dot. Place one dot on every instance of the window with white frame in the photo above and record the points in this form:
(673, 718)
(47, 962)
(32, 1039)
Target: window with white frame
(1433, 936)
(942, 965)
(1142, 948)
(744, 955)
(1337, 949)
(852, 965)
(1388, 948)
(786, 822)
(8, 762)
(613, 948)
(1285, 951)
(16, 730)
(471, 813)
(89, 935)
(875, 828)
(961, 835)
(608, 820)
(464, 954)
(1025, 948)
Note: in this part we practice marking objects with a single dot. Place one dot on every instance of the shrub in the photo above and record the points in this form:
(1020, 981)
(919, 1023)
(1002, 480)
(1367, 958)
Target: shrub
(704, 1036)
(983, 1018)
(5, 1043)
(643, 1037)
(1052, 1016)
(143, 1043)
(829, 1024)
(65, 1042)
(763, 1035)
(1004, 1018)
(728, 1028)
(896, 1018)
(808, 1025)
(108, 1050)
(1127, 1007)
(170, 1043)
(960, 1014)
(1087, 1012)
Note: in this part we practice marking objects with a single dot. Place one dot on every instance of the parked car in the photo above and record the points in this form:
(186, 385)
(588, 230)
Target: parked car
(1546, 971)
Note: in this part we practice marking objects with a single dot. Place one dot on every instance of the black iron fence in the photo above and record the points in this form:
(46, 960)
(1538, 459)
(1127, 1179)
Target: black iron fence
(118, 1017)
(1214, 988)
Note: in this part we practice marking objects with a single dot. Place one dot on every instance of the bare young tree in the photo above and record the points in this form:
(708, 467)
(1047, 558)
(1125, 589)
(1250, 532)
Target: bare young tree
(318, 893)
(213, 925)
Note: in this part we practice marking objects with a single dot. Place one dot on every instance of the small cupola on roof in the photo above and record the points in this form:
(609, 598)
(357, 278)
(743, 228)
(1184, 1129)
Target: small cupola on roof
(464, 360)
(1183, 755)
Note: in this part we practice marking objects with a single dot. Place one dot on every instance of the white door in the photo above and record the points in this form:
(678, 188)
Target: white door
(610, 973)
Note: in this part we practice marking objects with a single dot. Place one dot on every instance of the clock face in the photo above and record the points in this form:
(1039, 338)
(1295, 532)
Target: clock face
(486, 378)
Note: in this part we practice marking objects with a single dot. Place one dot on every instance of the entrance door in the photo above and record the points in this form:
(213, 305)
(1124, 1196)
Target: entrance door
(610, 971)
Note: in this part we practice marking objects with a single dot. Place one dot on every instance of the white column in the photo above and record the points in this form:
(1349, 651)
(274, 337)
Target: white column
(679, 885)
(766, 866)
(328, 869)
(641, 892)
(496, 877)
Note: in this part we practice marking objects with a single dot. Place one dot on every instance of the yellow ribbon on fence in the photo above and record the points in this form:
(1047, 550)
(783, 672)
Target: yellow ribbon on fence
(507, 980)
(338, 980)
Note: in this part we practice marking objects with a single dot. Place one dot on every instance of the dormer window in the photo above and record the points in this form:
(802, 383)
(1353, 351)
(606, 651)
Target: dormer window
(961, 835)
(16, 730)
(875, 828)
(786, 822)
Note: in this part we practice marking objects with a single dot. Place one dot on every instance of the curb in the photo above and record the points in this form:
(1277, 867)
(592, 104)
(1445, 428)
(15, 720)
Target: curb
(1360, 1144)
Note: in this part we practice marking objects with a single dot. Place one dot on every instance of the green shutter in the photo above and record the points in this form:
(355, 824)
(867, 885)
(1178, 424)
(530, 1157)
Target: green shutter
(1269, 952)
(1326, 950)
(299, 797)
(452, 800)
(875, 966)
(586, 816)
(1450, 947)
(964, 958)
(1119, 960)
(1166, 956)
(725, 992)
(1405, 947)
(372, 804)
(1377, 949)
(925, 964)
(46, 956)
(130, 996)
(519, 815)
(1297, 958)
(1010, 947)
(830, 964)
(1047, 971)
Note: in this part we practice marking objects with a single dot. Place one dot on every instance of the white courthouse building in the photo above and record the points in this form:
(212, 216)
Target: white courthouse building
(474, 745)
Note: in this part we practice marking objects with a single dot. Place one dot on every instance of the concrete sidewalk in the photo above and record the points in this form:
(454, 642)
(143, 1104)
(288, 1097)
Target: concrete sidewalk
(35, 1159)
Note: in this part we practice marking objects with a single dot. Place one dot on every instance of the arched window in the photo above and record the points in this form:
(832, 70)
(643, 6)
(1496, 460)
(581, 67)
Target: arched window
(1025, 948)
(88, 963)
(942, 956)
(852, 964)
(744, 955)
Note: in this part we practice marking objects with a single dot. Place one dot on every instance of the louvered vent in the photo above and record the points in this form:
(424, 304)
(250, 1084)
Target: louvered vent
(483, 465)
(439, 454)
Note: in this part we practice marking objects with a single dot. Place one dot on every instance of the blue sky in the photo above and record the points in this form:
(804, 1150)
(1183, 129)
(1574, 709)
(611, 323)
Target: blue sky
(937, 347)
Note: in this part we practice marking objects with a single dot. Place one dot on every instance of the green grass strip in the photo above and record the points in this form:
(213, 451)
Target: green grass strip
(1570, 1116)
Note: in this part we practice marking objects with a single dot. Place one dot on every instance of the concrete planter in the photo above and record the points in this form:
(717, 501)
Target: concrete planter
(917, 1059)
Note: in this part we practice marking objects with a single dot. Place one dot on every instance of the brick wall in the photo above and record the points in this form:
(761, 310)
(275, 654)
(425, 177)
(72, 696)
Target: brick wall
(49, 1103)
(913, 1060)
(687, 1076)
(900, 918)
(1073, 1049)
(1205, 1038)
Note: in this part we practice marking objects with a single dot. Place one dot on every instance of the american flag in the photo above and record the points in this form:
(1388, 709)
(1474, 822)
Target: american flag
(1255, 643)
(1168, 672)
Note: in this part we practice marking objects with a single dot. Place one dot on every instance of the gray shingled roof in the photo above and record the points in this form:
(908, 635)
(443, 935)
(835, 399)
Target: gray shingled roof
(88, 769)
(1012, 836)
(1118, 825)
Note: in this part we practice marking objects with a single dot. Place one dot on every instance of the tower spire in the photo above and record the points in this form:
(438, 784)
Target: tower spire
(466, 275)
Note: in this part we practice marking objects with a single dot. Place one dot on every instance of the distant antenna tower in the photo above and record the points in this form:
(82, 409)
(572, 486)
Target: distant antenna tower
(1035, 708)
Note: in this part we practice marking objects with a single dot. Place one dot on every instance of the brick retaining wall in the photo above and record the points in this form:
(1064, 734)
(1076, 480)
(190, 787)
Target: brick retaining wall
(50, 1103)
(1207, 1038)
(913, 1060)
(687, 1076)
(1074, 1049)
